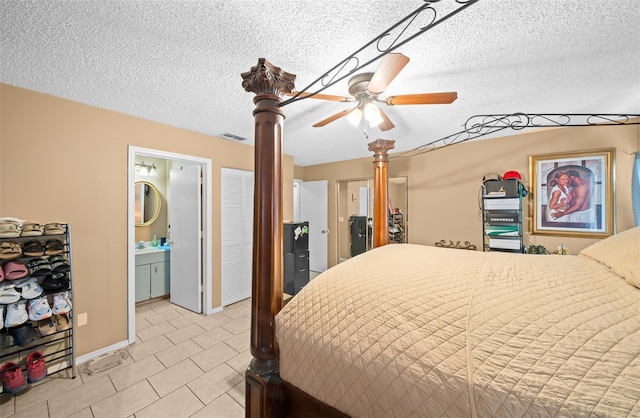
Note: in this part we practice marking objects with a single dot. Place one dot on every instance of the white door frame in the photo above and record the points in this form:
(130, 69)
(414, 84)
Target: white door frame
(206, 228)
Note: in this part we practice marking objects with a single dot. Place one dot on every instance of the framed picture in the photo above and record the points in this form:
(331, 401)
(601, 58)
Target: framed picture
(572, 193)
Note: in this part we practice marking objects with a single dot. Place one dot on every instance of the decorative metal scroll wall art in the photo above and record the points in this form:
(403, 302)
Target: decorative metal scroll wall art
(415, 24)
(467, 245)
(481, 125)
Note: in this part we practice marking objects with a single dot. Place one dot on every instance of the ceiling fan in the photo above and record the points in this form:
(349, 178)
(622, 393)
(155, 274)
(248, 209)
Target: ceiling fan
(366, 87)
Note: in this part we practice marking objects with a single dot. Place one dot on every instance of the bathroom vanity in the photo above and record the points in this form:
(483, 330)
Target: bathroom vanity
(152, 273)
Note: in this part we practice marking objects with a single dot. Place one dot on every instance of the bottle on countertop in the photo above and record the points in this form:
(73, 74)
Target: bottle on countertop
(154, 241)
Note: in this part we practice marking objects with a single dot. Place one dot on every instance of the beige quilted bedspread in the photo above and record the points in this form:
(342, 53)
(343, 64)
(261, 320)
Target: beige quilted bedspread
(408, 330)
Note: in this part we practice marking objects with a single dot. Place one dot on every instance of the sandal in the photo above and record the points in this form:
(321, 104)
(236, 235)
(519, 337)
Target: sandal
(46, 326)
(63, 322)
(54, 228)
(29, 288)
(53, 247)
(9, 250)
(15, 270)
(39, 267)
(9, 230)
(33, 248)
(59, 264)
(8, 294)
(56, 282)
(31, 229)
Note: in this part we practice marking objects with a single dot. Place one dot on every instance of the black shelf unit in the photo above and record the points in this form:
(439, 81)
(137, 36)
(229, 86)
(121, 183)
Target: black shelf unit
(296, 256)
(396, 228)
(58, 348)
(502, 216)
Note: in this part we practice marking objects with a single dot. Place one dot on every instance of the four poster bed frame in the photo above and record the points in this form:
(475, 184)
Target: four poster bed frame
(603, 266)
(267, 395)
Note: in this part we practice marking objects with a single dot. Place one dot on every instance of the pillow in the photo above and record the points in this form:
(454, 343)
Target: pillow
(619, 252)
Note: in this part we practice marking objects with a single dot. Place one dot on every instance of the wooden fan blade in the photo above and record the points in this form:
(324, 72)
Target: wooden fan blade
(388, 69)
(332, 118)
(322, 97)
(386, 122)
(422, 98)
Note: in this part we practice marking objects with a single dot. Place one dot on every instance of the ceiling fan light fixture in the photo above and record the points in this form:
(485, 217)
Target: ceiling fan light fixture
(355, 116)
(372, 114)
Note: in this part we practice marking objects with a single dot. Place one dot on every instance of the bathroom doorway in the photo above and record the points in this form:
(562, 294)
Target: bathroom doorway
(169, 161)
(355, 214)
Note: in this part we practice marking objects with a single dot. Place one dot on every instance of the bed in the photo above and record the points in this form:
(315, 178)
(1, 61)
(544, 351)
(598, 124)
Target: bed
(407, 330)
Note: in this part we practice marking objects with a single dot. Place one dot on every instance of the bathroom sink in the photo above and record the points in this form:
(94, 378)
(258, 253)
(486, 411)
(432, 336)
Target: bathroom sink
(149, 250)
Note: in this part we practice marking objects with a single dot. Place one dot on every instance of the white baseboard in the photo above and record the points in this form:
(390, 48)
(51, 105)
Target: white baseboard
(214, 310)
(102, 351)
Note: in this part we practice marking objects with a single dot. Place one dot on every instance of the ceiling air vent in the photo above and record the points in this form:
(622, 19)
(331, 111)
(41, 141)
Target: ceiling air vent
(233, 137)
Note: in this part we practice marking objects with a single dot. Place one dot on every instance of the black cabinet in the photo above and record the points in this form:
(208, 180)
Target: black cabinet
(296, 256)
(360, 232)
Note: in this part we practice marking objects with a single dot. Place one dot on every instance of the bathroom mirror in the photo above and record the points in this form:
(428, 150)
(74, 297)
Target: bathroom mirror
(148, 203)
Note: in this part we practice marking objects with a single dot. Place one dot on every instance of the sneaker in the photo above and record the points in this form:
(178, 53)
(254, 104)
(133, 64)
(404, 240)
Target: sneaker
(61, 303)
(16, 314)
(24, 335)
(36, 368)
(39, 309)
(13, 380)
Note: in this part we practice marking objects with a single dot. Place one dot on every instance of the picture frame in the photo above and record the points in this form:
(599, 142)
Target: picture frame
(572, 193)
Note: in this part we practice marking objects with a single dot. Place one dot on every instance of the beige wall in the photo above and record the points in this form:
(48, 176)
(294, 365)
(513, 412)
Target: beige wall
(444, 184)
(50, 148)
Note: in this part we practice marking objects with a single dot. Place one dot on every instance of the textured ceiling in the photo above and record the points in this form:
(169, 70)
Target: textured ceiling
(179, 62)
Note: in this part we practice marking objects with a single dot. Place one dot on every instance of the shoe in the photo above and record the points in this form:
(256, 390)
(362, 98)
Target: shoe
(24, 335)
(16, 314)
(59, 264)
(39, 309)
(31, 229)
(29, 288)
(63, 322)
(46, 327)
(14, 270)
(36, 368)
(8, 294)
(57, 282)
(54, 247)
(1, 317)
(39, 266)
(33, 248)
(61, 303)
(13, 380)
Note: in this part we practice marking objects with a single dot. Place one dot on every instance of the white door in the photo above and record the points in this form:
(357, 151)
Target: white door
(313, 208)
(185, 221)
(237, 234)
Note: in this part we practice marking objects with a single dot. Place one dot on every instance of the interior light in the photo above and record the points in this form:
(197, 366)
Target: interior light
(354, 116)
(153, 171)
(142, 169)
(372, 114)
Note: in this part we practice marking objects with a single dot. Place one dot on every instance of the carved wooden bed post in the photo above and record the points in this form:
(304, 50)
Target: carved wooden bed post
(263, 396)
(381, 193)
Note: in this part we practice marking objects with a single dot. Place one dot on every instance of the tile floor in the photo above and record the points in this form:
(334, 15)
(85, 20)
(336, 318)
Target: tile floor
(183, 365)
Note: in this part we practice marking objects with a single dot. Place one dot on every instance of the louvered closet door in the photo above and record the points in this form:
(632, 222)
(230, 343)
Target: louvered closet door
(237, 234)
